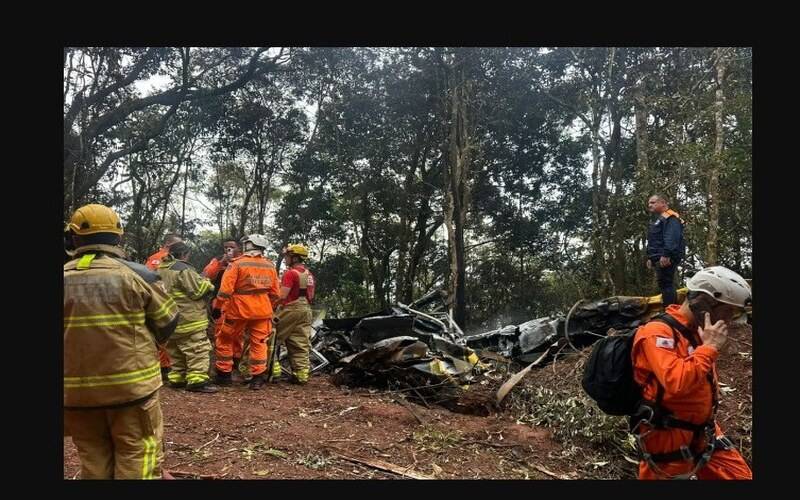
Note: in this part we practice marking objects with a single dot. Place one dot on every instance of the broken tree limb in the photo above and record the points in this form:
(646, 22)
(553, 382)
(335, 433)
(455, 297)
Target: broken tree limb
(208, 443)
(566, 324)
(541, 468)
(180, 473)
(514, 380)
(494, 445)
(383, 466)
(420, 397)
(201, 462)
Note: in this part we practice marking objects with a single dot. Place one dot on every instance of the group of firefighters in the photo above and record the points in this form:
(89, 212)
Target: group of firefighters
(115, 309)
(128, 326)
(249, 303)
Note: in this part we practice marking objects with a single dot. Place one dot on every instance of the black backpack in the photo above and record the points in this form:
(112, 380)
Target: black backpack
(608, 375)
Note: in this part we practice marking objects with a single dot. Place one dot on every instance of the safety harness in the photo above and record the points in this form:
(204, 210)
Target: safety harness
(658, 417)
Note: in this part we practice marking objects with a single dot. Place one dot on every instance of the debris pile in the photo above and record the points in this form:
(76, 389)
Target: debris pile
(418, 349)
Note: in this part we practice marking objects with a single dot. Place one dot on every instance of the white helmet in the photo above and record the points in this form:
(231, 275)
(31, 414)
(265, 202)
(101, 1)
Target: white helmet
(723, 285)
(257, 240)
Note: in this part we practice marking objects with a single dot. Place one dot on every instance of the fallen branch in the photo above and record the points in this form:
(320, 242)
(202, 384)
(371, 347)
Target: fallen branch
(555, 356)
(629, 459)
(180, 473)
(496, 445)
(541, 468)
(384, 393)
(206, 444)
(420, 397)
(346, 410)
(384, 466)
(514, 380)
(203, 462)
(179, 446)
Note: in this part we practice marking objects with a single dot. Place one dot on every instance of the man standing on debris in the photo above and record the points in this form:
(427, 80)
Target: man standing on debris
(188, 347)
(665, 246)
(214, 271)
(675, 366)
(152, 263)
(293, 319)
(114, 313)
(249, 287)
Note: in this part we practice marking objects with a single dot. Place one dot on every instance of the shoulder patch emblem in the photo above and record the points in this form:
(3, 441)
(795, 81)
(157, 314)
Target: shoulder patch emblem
(665, 343)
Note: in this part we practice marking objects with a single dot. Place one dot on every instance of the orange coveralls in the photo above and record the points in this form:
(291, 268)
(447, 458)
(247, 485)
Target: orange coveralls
(683, 373)
(249, 287)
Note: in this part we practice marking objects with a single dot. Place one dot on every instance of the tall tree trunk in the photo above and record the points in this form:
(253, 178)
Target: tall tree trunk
(643, 186)
(618, 232)
(243, 212)
(365, 270)
(221, 211)
(737, 240)
(458, 189)
(183, 202)
(405, 236)
(598, 261)
(642, 146)
(375, 270)
(424, 235)
(716, 165)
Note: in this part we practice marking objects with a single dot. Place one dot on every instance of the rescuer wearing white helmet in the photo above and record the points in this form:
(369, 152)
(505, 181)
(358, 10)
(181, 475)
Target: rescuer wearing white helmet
(674, 364)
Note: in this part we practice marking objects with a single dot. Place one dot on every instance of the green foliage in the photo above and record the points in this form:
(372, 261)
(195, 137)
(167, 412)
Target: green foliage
(346, 149)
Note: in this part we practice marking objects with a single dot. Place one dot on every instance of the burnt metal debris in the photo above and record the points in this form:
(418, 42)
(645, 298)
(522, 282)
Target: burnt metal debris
(418, 349)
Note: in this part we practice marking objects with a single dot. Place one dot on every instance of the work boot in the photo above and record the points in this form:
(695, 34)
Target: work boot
(277, 374)
(299, 377)
(257, 382)
(223, 378)
(177, 385)
(206, 387)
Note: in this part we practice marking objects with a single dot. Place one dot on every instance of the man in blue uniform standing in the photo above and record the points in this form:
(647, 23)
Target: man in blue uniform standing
(665, 246)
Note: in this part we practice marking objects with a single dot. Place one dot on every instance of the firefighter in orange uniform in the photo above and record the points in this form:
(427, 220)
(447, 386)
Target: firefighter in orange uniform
(674, 364)
(249, 288)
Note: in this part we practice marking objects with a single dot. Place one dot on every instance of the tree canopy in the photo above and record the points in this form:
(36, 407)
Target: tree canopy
(515, 178)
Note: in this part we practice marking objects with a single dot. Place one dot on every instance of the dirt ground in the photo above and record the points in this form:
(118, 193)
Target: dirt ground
(321, 431)
(291, 432)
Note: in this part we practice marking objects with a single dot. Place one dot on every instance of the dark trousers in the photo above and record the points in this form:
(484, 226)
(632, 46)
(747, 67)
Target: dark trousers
(666, 283)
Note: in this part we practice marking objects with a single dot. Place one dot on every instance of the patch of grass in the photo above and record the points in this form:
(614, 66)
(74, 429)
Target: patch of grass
(428, 438)
(570, 417)
(314, 461)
